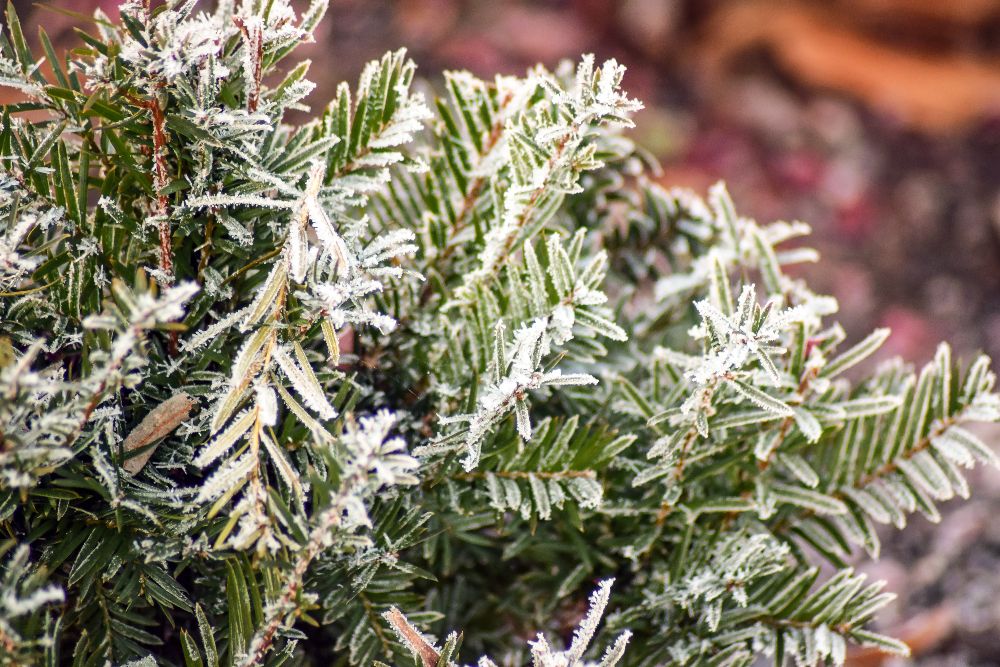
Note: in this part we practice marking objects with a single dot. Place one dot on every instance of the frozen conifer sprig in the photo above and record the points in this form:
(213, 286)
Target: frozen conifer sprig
(542, 653)
(277, 393)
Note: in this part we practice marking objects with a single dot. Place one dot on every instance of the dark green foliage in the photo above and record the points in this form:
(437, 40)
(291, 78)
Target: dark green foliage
(417, 367)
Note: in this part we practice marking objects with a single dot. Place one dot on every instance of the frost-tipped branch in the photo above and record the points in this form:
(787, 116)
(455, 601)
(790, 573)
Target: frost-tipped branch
(375, 461)
(542, 653)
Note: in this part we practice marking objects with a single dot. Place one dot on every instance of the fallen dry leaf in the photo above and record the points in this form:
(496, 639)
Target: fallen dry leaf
(932, 92)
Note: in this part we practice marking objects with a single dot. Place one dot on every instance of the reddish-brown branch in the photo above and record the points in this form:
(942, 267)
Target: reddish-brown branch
(468, 204)
(513, 234)
(9, 646)
(160, 181)
(429, 656)
(881, 472)
(804, 382)
(890, 467)
(161, 178)
(328, 521)
(254, 39)
(471, 196)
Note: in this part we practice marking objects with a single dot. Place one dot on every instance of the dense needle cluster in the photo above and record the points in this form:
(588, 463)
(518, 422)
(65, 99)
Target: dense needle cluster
(411, 381)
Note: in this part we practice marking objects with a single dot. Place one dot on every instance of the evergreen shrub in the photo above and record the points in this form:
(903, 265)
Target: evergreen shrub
(334, 392)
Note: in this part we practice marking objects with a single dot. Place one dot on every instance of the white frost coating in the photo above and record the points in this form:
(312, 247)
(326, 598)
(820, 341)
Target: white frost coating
(330, 262)
(521, 375)
(225, 440)
(212, 331)
(559, 138)
(225, 477)
(542, 652)
(588, 626)
(305, 384)
(373, 452)
(267, 405)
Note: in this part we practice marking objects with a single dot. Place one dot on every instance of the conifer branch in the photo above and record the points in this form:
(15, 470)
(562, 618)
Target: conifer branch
(568, 418)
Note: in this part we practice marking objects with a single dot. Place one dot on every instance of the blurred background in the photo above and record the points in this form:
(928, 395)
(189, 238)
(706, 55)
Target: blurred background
(876, 121)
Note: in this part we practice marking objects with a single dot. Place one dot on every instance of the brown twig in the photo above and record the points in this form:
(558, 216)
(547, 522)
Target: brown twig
(8, 644)
(529, 209)
(884, 470)
(329, 519)
(206, 249)
(161, 178)
(428, 654)
(471, 196)
(254, 37)
(786, 424)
